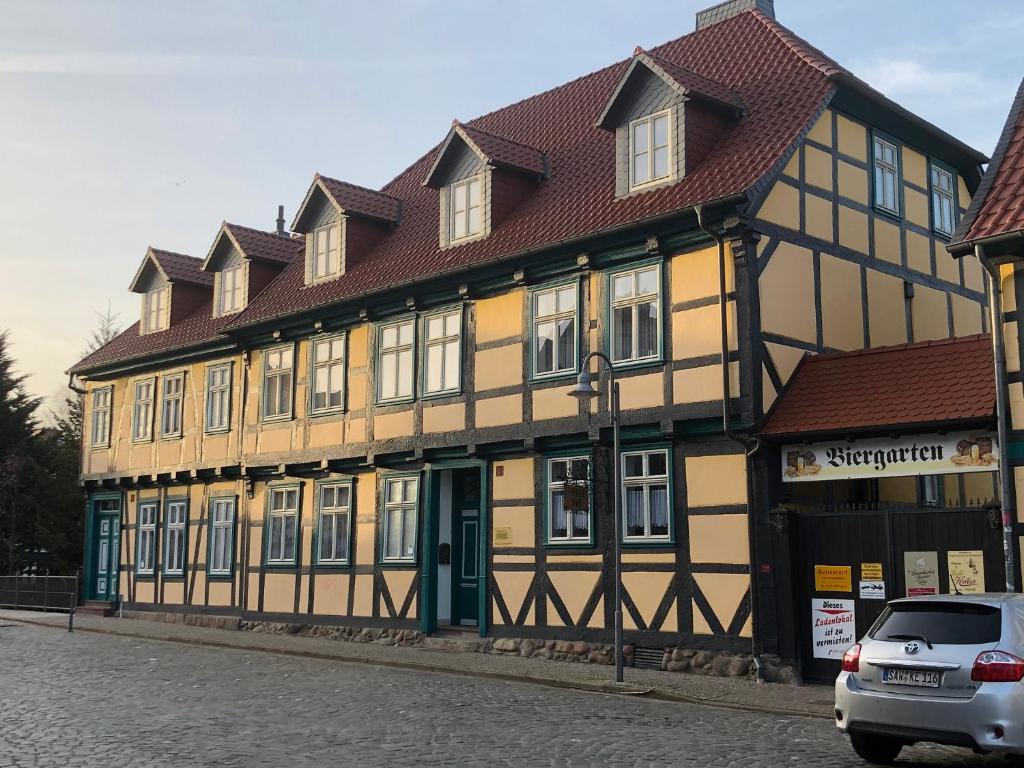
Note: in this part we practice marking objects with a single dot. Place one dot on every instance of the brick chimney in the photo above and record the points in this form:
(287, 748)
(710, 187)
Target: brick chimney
(730, 8)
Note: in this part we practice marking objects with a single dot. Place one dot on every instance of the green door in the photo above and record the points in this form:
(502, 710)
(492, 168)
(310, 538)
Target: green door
(465, 566)
(106, 541)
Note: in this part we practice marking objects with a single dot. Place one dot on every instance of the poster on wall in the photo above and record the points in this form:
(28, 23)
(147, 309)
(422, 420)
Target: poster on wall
(833, 628)
(921, 573)
(955, 452)
(966, 571)
(832, 578)
(872, 590)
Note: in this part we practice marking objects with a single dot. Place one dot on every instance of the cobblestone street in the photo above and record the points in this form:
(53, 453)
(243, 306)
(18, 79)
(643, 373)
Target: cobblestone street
(95, 700)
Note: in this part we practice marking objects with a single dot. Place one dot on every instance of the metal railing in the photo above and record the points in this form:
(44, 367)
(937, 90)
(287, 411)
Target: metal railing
(58, 594)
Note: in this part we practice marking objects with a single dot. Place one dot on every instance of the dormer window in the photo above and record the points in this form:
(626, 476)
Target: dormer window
(230, 297)
(467, 220)
(155, 310)
(326, 260)
(649, 149)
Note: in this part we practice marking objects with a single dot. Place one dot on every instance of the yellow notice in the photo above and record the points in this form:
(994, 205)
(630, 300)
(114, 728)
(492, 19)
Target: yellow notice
(966, 571)
(502, 535)
(871, 571)
(833, 578)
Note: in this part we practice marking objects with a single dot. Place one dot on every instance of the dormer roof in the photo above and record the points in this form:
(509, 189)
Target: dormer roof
(255, 244)
(351, 200)
(492, 149)
(174, 268)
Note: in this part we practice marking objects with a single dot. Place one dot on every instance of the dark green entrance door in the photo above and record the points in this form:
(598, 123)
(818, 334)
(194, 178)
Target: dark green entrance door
(105, 547)
(465, 547)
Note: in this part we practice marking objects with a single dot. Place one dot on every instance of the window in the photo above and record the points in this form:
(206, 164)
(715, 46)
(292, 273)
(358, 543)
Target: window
(645, 496)
(943, 201)
(636, 326)
(145, 558)
(230, 298)
(218, 398)
(568, 526)
(467, 218)
(334, 524)
(326, 252)
(283, 518)
(401, 507)
(171, 402)
(100, 417)
(277, 383)
(441, 351)
(887, 176)
(554, 330)
(649, 149)
(328, 374)
(174, 537)
(155, 312)
(394, 361)
(930, 490)
(222, 534)
(142, 411)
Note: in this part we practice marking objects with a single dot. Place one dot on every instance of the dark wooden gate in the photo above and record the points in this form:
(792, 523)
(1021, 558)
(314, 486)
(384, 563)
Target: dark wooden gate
(851, 536)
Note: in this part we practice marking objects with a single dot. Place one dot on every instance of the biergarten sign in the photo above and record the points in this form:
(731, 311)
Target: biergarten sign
(890, 457)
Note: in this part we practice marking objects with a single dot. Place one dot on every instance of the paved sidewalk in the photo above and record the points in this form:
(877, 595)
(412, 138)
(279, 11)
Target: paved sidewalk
(811, 701)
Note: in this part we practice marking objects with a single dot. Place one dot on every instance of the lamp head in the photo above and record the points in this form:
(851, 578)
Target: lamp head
(584, 389)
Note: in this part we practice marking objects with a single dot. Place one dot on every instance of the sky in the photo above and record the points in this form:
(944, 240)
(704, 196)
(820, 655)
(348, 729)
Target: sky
(130, 123)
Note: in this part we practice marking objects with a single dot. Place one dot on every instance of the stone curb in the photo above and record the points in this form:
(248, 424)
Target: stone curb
(654, 693)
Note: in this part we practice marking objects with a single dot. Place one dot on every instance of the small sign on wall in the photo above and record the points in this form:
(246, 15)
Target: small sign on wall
(921, 571)
(966, 571)
(871, 571)
(502, 536)
(872, 590)
(833, 628)
(833, 578)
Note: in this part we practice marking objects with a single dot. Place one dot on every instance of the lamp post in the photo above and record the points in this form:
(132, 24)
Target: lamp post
(585, 391)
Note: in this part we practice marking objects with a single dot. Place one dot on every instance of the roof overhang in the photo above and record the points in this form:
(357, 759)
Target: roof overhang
(223, 233)
(148, 260)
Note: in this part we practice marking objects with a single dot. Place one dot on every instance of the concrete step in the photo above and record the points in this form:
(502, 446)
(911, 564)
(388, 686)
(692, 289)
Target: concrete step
(450, 643)
(96, 608)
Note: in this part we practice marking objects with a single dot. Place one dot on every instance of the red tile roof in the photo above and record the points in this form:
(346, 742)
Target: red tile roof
(695, 84)
(257, 244)
(179, 268)
(888, 387)
(502, 151)
(354, 199)
(998, 205)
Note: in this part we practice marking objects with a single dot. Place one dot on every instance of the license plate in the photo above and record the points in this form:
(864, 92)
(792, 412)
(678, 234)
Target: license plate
(922, 678)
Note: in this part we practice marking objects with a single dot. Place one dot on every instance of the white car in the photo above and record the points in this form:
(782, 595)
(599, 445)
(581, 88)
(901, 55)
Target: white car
(945, 669)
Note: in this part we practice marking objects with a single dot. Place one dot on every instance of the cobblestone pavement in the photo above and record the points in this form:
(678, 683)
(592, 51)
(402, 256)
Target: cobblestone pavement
(100, 700)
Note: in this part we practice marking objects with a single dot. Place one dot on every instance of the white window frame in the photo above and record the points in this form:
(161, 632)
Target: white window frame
(632, 302)
(99, 429)
(278, 375)
(218, 398)
(175, 537)
(882, 169)
(646, 481)
(555, 317)
(942, 197)
(647, 121)
(145, 545)
(327, 522)
(222, 528)
(466, 214)
(143, 411)
(331, 252)
(444, 342)
(402, 506)
(172, 405)
(391, 356)
(558, 486)
(156, 309)
(331, 366)
(278, 515)
(234, 293)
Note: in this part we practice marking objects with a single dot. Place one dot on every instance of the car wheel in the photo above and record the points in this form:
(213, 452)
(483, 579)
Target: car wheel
(875, 749)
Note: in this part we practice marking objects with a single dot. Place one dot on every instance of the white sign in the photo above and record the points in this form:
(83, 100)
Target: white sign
(872, 590)
(890, 457)
(833, 628)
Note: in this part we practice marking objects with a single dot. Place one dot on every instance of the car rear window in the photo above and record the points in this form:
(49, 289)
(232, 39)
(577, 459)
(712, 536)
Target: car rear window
(939, 623)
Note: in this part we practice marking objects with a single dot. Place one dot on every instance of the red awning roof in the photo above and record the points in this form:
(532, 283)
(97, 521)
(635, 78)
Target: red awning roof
(928, 383)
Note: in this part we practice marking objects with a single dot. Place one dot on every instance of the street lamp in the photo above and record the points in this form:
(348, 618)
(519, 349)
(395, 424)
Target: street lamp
(585, 391)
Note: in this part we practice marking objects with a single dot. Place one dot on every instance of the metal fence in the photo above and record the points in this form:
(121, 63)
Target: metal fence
(41, 593)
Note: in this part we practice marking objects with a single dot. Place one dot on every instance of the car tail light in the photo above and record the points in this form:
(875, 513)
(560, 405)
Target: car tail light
(996, 667)
(851, 659)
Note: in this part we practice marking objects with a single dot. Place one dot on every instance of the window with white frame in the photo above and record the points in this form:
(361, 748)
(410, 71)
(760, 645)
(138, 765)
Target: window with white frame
(466, 209)
(145, 556)
(155, 310)
(649, 151)
(442, 343)
(282, 521)
(172, 398)
(565, 526)
(334, 523)
(401, 510)
(100, 428)
(635, 314)
(395, 374)
(326, 252)
(222, 533)
(554, 330)
(277, 383)
(645, 500)
(175, 522)
(142, 410)
(328, 374)
(218, 397)
(887, 174)
(943, 201)
(231, 282)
